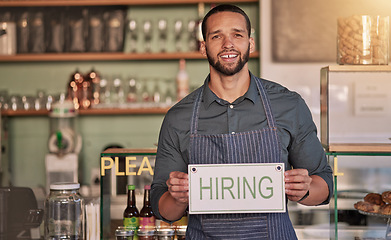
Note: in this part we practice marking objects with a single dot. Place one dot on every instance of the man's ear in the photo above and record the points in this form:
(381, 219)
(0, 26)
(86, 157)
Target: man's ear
(252, 45)
(203, 48)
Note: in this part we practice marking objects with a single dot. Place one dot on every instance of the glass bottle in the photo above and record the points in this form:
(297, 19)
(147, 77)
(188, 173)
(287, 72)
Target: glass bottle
(182, 80)
(85, 93)
(74, 88)
(132, 90)
(147, 218)
(94, 78)
(131, 213)
(64, 212)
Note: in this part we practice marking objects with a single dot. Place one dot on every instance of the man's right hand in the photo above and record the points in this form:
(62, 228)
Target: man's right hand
(178, 187)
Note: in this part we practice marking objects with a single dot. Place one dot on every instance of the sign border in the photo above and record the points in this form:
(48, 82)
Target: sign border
(278, 210)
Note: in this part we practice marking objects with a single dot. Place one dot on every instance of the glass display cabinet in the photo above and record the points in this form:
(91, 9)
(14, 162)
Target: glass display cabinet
(356, 134)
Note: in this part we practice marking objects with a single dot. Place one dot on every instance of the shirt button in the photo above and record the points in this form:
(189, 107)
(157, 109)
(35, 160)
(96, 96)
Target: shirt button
(232, 132)
(231, 106)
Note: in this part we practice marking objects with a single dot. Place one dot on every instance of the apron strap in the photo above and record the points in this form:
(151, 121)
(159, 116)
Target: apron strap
(196, 112)
(266, 103)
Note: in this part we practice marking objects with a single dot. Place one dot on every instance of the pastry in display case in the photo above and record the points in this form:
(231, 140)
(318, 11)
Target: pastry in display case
(374, 203)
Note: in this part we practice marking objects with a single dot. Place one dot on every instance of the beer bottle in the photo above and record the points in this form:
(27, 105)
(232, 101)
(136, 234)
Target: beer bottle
(131, 214)
(147, 218)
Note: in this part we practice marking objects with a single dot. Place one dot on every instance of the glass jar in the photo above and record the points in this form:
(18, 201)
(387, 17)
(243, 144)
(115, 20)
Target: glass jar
(181, 232)
(165, 233)
(146, 233)
(363, 40)
(64, 212)
(124, 233)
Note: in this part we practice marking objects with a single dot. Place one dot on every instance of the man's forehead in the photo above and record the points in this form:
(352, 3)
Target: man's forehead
(220, 19)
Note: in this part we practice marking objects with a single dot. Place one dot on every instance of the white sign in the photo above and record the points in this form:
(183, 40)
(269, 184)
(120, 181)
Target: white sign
(372, 98)
(236, 188)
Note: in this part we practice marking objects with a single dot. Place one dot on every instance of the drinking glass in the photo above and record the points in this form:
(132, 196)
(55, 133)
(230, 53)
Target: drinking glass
(169, 96)
(133, 33)
(104, 94)
(131, 96)
(4, 100)
(162, 29)
(27, 102)
(117, 94)
(156, 97)
(145, 94)
(40, 100)
(191, 32)
(15, 103)
(147, 31)
(178, 30)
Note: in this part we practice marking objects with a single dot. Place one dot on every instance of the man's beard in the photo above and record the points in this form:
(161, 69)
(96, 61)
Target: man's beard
(216, 64)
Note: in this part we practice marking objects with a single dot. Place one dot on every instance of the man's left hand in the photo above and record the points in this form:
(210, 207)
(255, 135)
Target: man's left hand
(297, 183)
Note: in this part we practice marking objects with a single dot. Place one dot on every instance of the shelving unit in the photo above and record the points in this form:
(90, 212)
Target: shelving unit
(28, 3)
(89, 112)
(103, 56)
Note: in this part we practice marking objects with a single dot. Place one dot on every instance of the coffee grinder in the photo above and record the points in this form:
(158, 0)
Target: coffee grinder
(64, 144)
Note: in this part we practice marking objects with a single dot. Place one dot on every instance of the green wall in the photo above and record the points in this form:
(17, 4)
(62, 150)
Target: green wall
(28, 136)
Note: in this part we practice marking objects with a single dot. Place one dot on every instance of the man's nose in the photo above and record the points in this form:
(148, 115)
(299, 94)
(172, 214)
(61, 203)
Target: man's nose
(228, 43)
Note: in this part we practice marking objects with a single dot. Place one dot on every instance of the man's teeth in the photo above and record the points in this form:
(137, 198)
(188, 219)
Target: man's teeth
(229, 56)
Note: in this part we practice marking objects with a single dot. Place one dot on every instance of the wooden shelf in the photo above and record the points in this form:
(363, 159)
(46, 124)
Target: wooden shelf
(102, 56)
(360, 147)
(32, 3)
(113, 151)
(359, 68)
(90, 112)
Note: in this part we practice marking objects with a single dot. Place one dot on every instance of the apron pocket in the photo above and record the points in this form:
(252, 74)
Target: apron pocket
(235, 226)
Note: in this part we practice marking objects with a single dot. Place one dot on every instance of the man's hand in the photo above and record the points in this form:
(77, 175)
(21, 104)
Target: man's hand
(178, 187)
(297, 183)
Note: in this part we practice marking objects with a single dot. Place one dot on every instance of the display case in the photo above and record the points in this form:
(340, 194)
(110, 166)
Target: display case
(355, 131)
(355, 106)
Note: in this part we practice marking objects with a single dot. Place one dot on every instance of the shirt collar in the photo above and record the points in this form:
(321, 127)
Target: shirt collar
(209, 97)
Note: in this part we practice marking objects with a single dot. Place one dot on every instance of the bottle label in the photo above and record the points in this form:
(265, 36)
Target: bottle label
(147, 221)
(132, 222)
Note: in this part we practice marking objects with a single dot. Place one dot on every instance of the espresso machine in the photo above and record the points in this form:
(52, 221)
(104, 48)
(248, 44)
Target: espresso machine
(64, 144)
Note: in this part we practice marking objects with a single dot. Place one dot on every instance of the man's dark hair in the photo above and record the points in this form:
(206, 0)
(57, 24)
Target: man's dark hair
(225, 8)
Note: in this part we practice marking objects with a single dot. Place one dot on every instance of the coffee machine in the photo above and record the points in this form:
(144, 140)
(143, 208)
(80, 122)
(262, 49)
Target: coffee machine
(20, 217)
(64, 144)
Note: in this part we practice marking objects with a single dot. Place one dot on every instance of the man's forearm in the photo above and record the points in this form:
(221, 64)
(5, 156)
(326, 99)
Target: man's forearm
(170, 209)
(318, 192)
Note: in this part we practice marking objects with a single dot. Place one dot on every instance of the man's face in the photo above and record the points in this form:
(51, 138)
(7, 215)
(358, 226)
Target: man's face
(227, 44)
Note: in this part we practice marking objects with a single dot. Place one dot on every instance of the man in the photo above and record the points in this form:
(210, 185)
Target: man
(236, 117)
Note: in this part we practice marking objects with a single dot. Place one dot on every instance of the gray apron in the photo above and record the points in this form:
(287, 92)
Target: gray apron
(257, 146)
